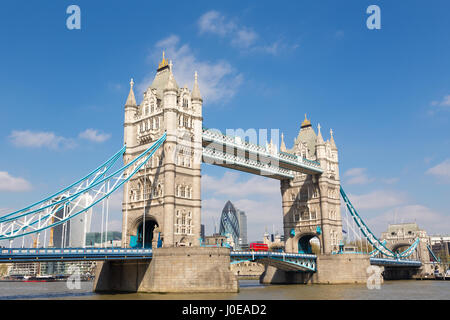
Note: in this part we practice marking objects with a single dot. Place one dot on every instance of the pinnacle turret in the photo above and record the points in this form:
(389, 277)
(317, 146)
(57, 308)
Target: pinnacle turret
(171, 84)
(332, 143)
(319, 140)
(131, 100)
(196, 91)
(282, 146)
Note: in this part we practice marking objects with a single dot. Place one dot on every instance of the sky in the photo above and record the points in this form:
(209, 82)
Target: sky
(262, 65)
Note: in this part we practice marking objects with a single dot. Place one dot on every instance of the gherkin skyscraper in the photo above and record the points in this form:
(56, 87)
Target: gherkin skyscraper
(231, 223)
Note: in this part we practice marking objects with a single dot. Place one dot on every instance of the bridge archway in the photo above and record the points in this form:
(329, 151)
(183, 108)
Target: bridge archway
(308, 243)
(144, 233)
(399, 247)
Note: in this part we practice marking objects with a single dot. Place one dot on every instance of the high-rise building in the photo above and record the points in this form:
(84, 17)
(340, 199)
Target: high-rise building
(242, 229)
(233, 223)
(202, 231)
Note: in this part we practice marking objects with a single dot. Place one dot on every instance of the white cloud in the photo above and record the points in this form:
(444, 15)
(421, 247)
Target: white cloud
(217, 80)
(442, 170)
(357, 176)
(444, 103)
(377, 199)
(38, 139)
(339, 34)
(245, 38)
(242, 37)
(10, 183)
(390, 180)
(94, 135)
(427, 219)
(115, 225)
(214, 22)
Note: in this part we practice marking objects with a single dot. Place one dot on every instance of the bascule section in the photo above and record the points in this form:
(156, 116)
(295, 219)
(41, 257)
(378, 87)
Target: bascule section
(161, 203)
(311, 201)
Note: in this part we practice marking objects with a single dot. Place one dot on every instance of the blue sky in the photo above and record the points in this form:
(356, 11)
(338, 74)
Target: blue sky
(385, 93)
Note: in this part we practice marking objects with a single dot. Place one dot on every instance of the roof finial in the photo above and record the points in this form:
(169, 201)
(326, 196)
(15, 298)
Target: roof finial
(163, 62)
(170, 65)
(306, 122)
(131, 83)
(331, 132)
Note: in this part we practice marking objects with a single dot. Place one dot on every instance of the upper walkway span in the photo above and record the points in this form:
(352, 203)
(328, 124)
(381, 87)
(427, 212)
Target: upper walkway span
(233, 152)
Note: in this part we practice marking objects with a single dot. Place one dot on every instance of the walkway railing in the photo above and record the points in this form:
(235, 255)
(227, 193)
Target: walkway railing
(230, 159)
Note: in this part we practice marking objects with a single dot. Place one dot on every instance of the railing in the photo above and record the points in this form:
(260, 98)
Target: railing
(395, 262)
(292, 261)
(56, 254)
(226, 158)
(272, 254)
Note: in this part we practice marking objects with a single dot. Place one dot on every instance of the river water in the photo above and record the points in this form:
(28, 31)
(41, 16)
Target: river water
(249, 290)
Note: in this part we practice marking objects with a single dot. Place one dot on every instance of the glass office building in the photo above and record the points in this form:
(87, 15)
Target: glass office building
(234, 222)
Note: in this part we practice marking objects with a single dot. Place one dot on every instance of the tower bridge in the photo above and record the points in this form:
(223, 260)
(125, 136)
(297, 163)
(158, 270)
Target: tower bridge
(165, 144)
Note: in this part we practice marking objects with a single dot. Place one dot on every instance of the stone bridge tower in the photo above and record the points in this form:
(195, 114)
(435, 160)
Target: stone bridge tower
(400, 236)
(164, 198)
(311, 203)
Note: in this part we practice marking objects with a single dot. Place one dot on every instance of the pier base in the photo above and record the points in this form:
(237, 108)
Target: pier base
(331, 269)
(400, 273)
(178, 269)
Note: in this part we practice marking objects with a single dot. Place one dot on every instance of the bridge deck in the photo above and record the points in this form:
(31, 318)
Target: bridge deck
(395, 262)
(72, 254)
(281, 260)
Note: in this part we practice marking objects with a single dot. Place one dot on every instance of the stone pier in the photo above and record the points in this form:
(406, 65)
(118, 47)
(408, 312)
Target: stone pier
(331, 269)
(177, 269)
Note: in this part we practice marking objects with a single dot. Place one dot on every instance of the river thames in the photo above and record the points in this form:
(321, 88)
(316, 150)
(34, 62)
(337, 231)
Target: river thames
(249, 290)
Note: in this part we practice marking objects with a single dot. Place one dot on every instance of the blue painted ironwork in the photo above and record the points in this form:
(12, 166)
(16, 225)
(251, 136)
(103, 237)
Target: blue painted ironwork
(292, 261)
(72, 254)
(318, 230)
(436, 259)
(374, 241)
(395, 262)
(34, 219)
(97, 173)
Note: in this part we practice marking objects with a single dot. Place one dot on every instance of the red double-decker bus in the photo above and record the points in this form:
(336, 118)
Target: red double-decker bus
(259, 247)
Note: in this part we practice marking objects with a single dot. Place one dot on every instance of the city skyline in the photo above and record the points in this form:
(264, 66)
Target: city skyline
(385, 93)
